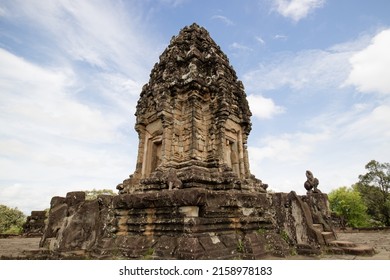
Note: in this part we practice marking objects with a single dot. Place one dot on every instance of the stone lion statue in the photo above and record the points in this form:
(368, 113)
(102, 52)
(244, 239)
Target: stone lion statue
(173, 181)
(311, 183)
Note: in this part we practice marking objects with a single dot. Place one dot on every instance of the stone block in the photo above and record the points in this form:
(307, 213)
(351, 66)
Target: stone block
(74, 198)
(56, 200)
(189, 248)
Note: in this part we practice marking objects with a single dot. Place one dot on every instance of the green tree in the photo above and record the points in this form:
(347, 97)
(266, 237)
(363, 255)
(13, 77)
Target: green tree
(11, 220)
(93, 194)
(374, 187)
(348, 205)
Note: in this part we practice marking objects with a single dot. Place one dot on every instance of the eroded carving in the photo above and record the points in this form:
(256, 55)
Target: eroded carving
(311, 183)
(173, 181)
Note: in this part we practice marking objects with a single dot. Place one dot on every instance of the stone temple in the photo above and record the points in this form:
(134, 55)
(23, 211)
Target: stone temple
(193, 120)
(192, 195)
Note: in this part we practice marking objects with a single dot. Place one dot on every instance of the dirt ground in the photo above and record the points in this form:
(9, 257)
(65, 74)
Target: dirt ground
(17, 247)
(380, 240)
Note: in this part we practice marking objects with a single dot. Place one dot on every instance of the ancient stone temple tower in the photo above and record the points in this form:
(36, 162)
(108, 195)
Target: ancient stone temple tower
(193, 120)
(192, 195)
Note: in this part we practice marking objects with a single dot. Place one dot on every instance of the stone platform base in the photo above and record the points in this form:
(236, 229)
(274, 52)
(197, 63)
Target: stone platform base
(169, 224)
(205, 246)
(192, 223)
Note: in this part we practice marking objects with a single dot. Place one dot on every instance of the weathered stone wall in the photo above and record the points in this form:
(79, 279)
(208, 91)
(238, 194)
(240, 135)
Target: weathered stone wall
(305, 220)
(75, 223)
(187, 224)
(35, 224)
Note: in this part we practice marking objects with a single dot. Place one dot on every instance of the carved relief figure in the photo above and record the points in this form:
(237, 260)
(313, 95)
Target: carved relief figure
(173, 181)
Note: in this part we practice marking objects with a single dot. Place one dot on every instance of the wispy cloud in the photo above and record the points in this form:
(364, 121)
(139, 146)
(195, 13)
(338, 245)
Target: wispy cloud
(347, 129)
(223, 19)
(240, 47)
(99, 33)
(274, 158)
(280, 37)
(173, 3)
(260, 40)
(51, 139)
(334, 67)
(3, 12)
(42, 99)
(66, 114)
(338, 144)
(289, 146)
(307, 69)
(296, 9)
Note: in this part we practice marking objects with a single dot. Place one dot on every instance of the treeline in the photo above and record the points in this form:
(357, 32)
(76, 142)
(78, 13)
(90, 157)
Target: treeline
(11, 220)
(367, 202)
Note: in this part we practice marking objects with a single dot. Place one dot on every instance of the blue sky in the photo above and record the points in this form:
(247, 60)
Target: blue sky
(316, 73)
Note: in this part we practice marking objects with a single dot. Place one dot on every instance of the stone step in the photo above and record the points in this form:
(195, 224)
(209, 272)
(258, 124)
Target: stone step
(360, 250)
(350, 248)
(307, 249)
(335, 251)
(328, 236)
(343, 244)
(319, 227)
(37, 251)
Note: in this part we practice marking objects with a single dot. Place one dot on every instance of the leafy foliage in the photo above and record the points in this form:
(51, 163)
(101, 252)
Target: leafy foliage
(348, 204)
(11, 220)
(374, 187)
(372, 190)
(93, 194)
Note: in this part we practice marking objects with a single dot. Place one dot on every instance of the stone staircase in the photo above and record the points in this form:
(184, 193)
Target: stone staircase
(309, 249)
(339, 247)
(328, 236)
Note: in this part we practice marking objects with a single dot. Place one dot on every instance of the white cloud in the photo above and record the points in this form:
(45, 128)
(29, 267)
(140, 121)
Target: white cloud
(103, 34)
(51, 142)
(173, 3)
(224, 19)
(296, 9)
(370, 66)
(292, 147)
(263, 108)
(306, 69)
(45, 126)
(373, 125)
(340, 144)
(66, 114)
(280, 37)
(275, 158)
(117, 91)
(313, 69)
(240, 47)
(260, 40)
(40, 100)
